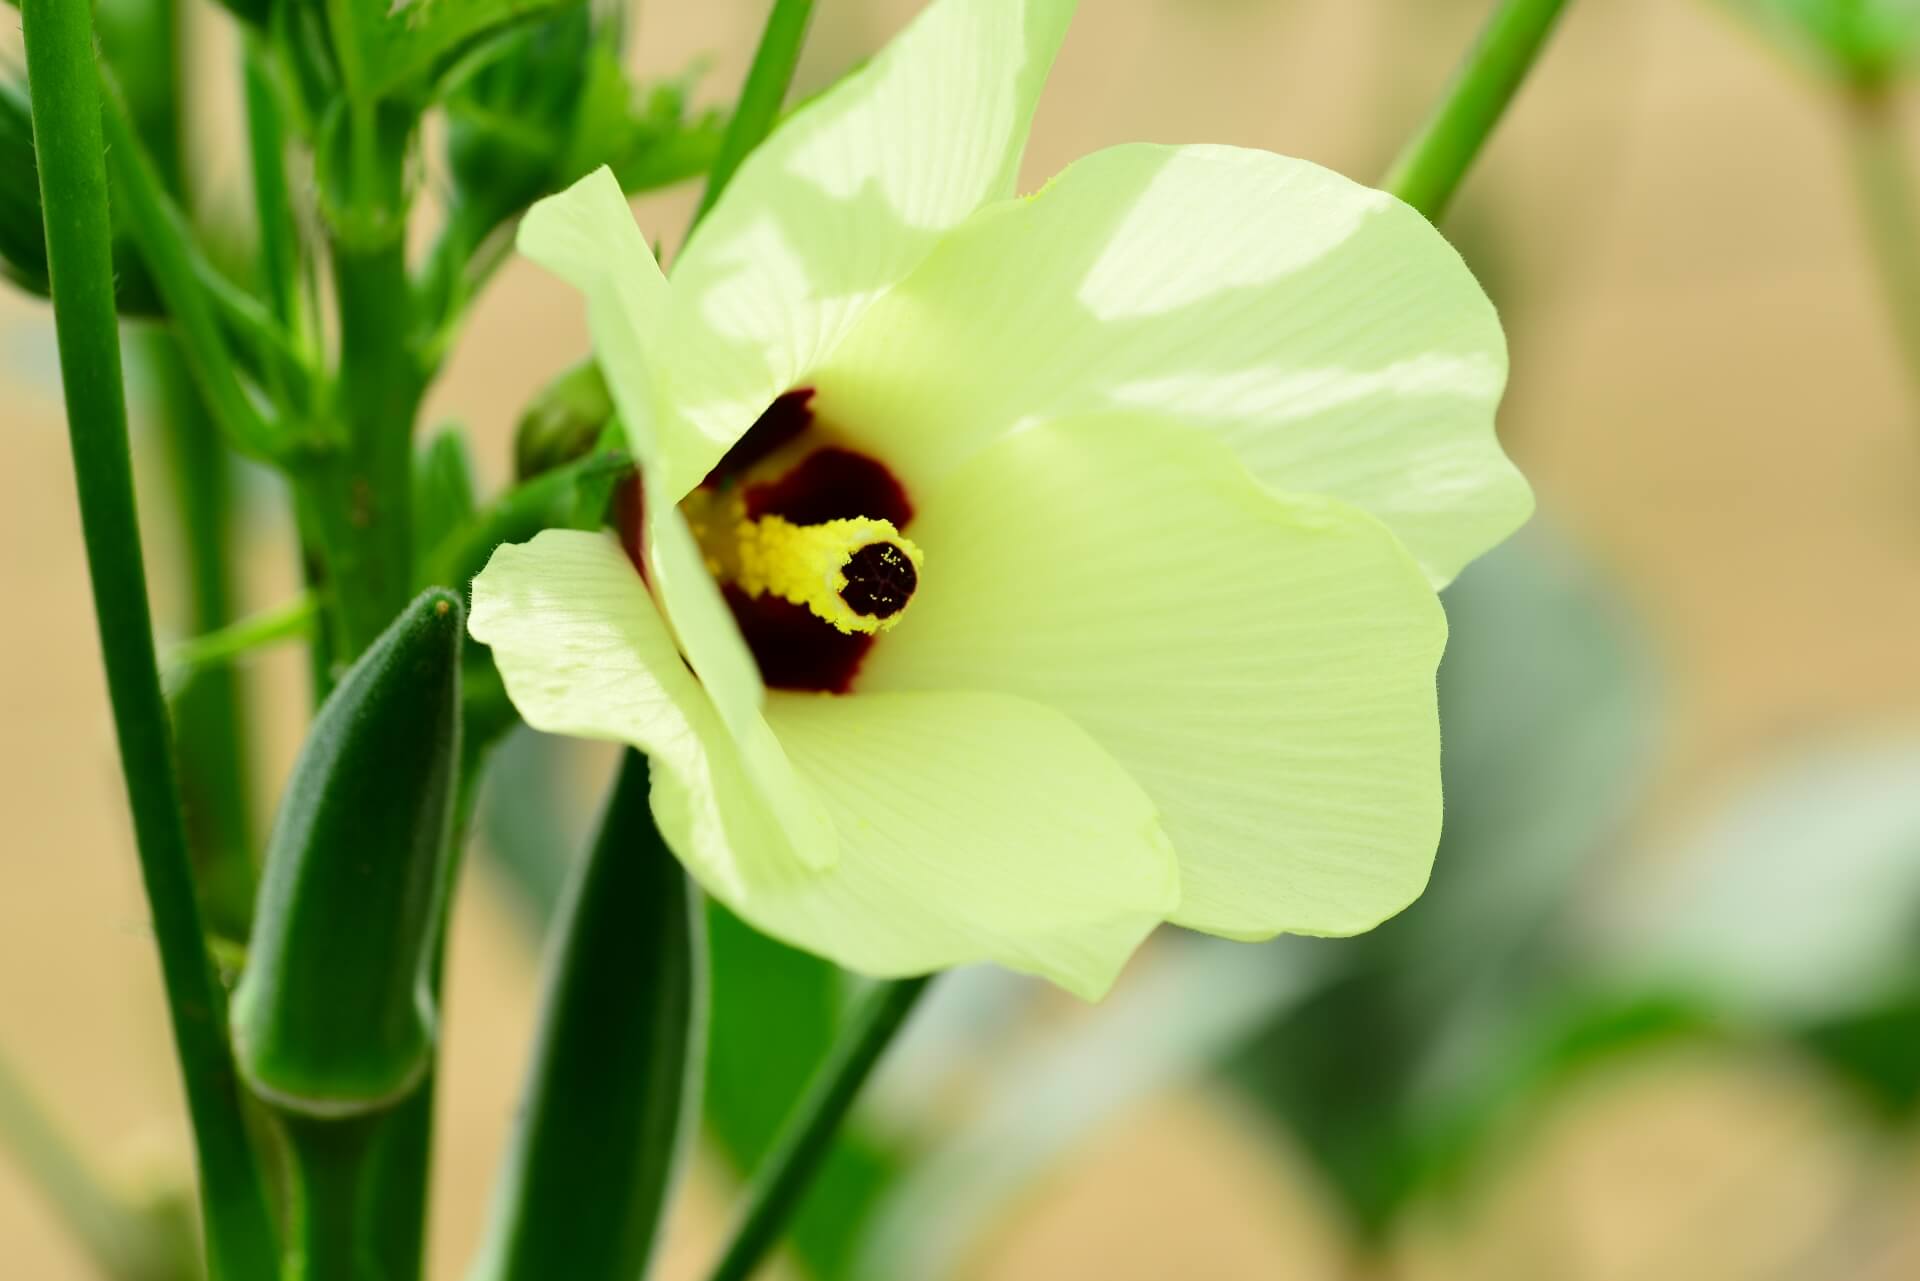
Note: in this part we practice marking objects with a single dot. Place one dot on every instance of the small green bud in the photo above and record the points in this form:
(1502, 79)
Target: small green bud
(563, 422)
(334, 1014)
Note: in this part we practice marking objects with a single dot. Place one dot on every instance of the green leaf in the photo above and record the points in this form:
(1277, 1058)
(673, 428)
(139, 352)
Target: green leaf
(333, 1015)
(601, 1124)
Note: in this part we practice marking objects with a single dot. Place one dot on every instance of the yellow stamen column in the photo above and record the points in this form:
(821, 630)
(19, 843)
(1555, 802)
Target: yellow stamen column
(856, 574)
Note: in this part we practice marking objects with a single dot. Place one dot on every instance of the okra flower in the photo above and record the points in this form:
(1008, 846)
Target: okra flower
(1014, 574)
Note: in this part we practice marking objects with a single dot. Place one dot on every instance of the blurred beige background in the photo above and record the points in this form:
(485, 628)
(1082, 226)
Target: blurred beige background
(1704, 395)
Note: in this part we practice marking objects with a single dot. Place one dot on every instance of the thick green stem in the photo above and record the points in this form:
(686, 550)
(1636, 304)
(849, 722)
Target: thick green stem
(760, 97)
(73, 185)
(363, 495)
(782, 1181)
(1883, 183)
(1429, 170)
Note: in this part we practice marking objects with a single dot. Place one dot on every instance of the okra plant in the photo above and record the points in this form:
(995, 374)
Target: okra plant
(971, 576)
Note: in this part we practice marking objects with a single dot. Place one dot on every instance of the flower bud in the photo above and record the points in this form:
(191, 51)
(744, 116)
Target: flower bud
(334, 1014)
(563, 422)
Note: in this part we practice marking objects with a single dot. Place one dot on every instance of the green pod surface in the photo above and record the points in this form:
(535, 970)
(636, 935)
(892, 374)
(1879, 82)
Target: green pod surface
(334, 1014)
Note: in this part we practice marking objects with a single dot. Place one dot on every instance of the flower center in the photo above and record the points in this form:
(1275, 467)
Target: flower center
(805, 539)
(857, 574)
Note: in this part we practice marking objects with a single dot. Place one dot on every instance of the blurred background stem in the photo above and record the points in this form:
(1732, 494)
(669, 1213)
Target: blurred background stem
(768, 80)
(122, 1242)
(1429, 170)
(143, 40)
(1883, 184)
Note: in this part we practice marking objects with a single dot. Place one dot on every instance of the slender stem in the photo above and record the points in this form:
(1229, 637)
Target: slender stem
(244, 636)
(1430, 168)
(761, 96)
(144, 43)
(157, 228)
(272, 198)
(209, 717)
(73, 186)
(121, 1241)
(782, 1181)
(1883, 184)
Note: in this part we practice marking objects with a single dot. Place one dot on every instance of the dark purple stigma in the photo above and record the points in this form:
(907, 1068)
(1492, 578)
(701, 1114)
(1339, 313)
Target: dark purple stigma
(880, 580)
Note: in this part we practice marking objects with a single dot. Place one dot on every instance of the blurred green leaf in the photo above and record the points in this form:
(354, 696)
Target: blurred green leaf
(1875, 1052)
(1798, 901)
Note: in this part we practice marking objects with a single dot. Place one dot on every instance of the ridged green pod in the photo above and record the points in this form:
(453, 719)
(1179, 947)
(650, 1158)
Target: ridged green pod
(333, 1015)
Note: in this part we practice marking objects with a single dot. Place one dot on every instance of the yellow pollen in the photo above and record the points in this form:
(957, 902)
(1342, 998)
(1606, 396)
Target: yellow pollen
(857, 574)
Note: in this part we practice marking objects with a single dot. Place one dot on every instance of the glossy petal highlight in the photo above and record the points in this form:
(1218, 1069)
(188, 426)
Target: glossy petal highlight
(1324, 330)
(1262, 664)
(847, 197)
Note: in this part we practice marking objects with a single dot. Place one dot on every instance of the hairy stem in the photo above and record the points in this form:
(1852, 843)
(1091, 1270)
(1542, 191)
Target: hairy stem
(73, 184)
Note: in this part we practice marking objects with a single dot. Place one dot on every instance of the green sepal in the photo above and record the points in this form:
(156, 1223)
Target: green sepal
(334, 1014)
(511, 114)
(365, 202)
(443, 487)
